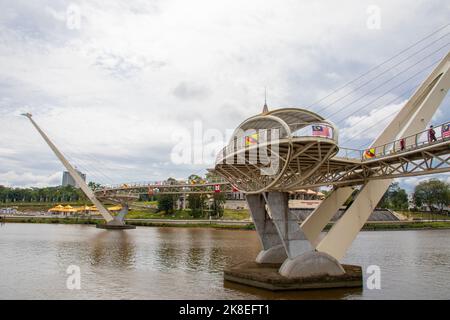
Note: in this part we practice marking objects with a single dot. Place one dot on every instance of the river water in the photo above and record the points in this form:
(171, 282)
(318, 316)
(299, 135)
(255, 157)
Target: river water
(187, 263)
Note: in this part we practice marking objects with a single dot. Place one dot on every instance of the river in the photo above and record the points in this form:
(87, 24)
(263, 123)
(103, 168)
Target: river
(187, 263)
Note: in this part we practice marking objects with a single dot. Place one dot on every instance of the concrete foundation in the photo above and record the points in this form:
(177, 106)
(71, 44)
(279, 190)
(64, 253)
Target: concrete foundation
(311, 264)
(266, 276)
(276, 254)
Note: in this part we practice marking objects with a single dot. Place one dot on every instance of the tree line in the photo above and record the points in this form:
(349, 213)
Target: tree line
(46, 194)
(432, 195)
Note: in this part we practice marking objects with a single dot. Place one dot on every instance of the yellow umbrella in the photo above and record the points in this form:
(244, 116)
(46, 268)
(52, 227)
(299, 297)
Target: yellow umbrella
(68, 208)
(58, 208)
(83, 208)
(115, 208)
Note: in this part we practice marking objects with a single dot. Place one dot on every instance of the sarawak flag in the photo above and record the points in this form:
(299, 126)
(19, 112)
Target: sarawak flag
(251, 139)
(446, 130)
(369, 153)
(217, 188)
(320, 131)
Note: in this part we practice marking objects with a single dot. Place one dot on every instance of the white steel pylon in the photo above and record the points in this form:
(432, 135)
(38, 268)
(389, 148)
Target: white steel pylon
(413, 117)
(80, 182)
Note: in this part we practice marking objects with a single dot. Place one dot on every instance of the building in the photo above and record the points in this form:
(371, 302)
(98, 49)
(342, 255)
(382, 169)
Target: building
(67, 179)
(299, 199)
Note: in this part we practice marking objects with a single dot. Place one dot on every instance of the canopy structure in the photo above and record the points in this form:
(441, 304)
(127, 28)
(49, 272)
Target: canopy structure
(277, 150)
(57, 208)
(115, 208)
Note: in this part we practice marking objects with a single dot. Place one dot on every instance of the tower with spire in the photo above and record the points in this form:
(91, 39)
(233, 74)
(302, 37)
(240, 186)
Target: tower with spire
(265, 108)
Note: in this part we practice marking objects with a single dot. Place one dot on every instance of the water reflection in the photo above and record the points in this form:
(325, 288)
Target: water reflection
(180, 263)
(112, 248)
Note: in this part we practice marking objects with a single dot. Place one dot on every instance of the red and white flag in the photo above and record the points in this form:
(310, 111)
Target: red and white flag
(217, 188)
(320, 131)
(446, 130)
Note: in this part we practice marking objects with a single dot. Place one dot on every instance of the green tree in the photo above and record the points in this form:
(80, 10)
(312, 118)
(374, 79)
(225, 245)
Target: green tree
(166, 203)
(395, 198)
(197, 204)
(94, 185)
(434, 193)
(217, 206)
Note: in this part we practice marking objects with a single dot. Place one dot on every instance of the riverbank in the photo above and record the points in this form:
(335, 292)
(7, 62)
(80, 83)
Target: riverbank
(219, 224)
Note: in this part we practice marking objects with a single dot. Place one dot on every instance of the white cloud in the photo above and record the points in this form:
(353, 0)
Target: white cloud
(409, 183)
(28, 179)
(370, 125)
(112, 92)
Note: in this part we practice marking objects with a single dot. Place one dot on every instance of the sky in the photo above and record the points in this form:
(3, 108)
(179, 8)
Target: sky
(119, 85)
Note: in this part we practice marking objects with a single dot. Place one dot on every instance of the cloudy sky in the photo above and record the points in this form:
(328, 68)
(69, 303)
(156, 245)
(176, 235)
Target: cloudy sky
(117, 84)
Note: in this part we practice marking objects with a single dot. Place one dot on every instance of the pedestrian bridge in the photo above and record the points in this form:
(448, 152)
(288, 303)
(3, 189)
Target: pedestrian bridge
(416, 155)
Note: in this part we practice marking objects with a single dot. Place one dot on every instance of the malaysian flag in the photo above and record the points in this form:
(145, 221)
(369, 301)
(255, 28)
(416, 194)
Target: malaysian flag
(446, 130)
(320, 131)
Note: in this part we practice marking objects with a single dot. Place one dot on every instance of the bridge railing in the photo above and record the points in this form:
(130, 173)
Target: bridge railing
(262, 137)
(414, 141)
(164, 183)
(351, 154)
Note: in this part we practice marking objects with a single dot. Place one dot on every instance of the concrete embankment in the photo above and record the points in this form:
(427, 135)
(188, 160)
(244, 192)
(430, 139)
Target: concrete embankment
(227, 224)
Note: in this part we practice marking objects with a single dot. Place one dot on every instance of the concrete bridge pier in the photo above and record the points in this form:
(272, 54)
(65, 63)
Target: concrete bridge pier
(273, 249)
(289, 260)
(284, 242)
(118, 222)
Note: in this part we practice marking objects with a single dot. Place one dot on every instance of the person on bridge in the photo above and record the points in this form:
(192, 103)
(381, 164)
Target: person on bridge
(431, 134)
(402, 144)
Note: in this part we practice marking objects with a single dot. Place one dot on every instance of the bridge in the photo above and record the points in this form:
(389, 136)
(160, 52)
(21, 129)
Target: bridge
(414, 155)
(286, 149)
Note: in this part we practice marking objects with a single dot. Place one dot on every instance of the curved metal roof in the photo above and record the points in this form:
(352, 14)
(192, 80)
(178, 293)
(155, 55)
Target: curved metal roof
(295, 118)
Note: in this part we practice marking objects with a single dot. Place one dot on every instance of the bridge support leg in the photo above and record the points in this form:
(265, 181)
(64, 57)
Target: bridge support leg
(342, 234)
(118, 222)
(286, 223)
(273, 249)
(301, 260)
(321, 216)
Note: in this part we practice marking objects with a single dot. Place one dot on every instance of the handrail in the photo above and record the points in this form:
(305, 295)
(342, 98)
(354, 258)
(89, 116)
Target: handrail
(164, 183)
(408, 143)
(239, 143)
(413, 141)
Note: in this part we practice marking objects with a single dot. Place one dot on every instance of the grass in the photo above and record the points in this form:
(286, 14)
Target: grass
(230, 214)
(407, 226)
(216, 224)
(184, 214)
(425, 215)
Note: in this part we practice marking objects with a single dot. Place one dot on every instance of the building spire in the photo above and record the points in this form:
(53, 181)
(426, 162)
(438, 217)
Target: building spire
(265, 108)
